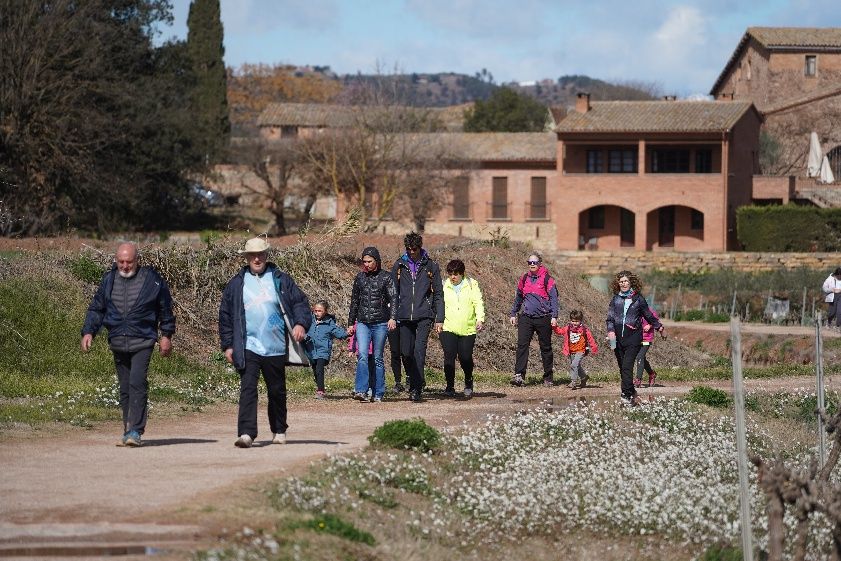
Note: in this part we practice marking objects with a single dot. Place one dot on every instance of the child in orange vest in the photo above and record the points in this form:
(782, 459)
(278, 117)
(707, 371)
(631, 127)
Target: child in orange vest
(578, 343)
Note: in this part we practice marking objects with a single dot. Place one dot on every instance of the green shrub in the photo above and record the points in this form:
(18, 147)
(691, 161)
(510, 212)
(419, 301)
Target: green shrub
(788, 228)
(689, 315)
(406, 433)
(722, 553)
(708, 396)
(86, 269)
(713, 317)
(332, 524)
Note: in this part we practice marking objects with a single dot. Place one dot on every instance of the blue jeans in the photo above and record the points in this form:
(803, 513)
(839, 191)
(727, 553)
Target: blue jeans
(365, 334)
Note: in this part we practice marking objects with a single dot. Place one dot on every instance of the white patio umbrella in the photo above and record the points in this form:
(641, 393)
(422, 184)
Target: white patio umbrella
(826, 171)
(813, 165)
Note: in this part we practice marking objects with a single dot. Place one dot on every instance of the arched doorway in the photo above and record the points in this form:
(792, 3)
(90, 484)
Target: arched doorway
(675, 227)
(834, 157)
(606, 227)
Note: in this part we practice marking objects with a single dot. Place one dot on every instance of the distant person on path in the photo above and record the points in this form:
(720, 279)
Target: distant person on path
(370, 319)
(319, 342)
(535, 310)
(255, 305)
(420, 303)
(133, 303)
(625, 313)
(831, 287)
(578, 343)
(464, 316)
(642, 360)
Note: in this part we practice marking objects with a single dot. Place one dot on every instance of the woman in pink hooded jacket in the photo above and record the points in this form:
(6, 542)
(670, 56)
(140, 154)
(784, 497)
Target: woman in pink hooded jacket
(642, 361)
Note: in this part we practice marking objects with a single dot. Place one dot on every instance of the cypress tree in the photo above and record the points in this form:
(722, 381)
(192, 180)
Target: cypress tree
(209, 100)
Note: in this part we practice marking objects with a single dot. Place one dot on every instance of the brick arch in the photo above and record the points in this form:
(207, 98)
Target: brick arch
(606, 226)
(675, 226)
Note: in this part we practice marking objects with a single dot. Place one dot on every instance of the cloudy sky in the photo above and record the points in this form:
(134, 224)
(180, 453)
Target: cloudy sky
(679, 45)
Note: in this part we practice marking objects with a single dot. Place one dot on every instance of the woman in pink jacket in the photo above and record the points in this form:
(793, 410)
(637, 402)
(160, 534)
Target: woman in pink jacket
(642, 361)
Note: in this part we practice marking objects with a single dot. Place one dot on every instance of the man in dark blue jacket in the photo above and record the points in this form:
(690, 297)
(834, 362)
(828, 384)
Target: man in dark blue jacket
(132, 303)
(420, 302)
(256, 305)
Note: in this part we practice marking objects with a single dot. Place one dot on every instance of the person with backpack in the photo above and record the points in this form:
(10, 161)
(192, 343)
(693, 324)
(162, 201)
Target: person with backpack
(535, 310)
(420, 303)
(465, 315)
(625, 313)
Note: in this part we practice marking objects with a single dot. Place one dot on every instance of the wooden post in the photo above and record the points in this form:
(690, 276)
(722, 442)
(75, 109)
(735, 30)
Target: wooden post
(733, 305)
(803, 309)
(741, 439)
(820, 391)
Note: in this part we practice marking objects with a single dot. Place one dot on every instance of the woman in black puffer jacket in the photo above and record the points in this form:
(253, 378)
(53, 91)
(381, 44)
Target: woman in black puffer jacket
(371, 318)
(624, 327)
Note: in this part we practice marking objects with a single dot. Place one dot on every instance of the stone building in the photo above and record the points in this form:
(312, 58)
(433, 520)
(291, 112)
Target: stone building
(793, 77)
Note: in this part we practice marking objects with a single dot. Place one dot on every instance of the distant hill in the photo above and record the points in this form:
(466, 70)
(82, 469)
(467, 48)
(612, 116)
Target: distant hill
(448, 88)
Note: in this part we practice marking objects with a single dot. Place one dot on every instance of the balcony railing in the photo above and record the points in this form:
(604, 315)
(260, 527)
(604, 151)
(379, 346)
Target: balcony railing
(499, 211)
(538, 210)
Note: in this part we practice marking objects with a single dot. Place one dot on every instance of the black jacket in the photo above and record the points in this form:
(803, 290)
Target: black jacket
(232, 311)
(637, 310)
(369, 301)
(421, 297)
(151, 310)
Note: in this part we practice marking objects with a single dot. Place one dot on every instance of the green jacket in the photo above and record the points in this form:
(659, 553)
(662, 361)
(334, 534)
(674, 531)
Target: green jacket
(463, 309)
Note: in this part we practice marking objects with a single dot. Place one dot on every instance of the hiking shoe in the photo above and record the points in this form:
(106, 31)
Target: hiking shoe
(244, 441)
(468, 393)
(415, 395)
(319, 394)
(573, 386)
(450, 392)
(122, 441)
(377, 400)
(651, 378)
(517, 380)
(637, 382)
(279, 438)
(132, 439)
(583, 381)
(399, 388)
(548, 382)
(360, 396)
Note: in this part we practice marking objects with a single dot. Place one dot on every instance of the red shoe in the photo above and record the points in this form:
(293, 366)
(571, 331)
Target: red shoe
(651, 378)
(637, 382)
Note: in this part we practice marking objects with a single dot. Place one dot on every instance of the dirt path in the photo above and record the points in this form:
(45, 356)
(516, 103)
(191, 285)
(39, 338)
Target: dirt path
(72, 487)
(760, 328)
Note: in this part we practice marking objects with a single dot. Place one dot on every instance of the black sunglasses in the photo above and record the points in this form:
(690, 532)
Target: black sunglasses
(409, 248)
(534, 262)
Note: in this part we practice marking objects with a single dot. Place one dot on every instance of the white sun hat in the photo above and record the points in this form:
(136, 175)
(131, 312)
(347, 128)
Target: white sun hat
(255, 245)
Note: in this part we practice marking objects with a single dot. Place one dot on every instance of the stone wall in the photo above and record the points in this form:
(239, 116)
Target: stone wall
(604, 263)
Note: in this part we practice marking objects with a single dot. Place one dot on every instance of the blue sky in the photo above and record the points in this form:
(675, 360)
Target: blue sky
(679, 45)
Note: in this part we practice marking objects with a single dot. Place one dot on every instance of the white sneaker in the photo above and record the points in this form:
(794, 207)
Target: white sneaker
(279, 438)
(244, 441)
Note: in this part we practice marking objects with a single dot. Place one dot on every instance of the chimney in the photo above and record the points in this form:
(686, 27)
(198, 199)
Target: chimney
(725, 96)
(669, 98)
(582, 103)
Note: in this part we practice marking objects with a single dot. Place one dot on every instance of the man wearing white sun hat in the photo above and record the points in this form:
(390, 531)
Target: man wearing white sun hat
(257, 305)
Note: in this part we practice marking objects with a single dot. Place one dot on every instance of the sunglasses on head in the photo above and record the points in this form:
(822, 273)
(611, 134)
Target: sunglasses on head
(533, 262)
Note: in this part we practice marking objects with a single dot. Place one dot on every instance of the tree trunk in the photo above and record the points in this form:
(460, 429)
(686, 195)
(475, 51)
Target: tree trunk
(279, 226)
(776, 528)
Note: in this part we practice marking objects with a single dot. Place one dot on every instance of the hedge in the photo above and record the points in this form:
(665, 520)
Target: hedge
(788, 228)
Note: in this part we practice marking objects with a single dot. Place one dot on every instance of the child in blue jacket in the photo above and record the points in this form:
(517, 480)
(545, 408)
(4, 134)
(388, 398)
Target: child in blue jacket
(319, 342)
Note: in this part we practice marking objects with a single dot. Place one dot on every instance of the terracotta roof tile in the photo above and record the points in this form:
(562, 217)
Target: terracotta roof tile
(655, 116)
(787, 37)
(491, 146)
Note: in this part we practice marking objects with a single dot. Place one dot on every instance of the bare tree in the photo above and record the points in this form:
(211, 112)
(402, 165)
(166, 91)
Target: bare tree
(274, 164)
(804, 492)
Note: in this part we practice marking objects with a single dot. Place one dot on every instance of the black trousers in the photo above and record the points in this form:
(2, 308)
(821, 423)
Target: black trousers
(274, 373)
(397, 364)
(132, 369)
(626, 351)
(318, 365)
(460, 346)
(414, 336)
(526, 328)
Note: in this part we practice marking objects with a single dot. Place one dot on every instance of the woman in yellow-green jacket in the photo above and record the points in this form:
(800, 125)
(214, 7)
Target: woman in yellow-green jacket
(464, 315)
